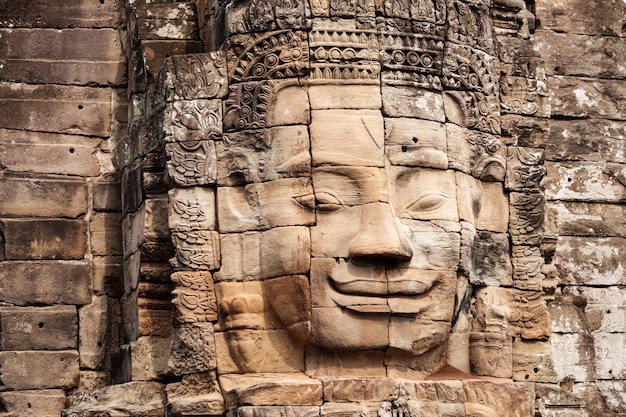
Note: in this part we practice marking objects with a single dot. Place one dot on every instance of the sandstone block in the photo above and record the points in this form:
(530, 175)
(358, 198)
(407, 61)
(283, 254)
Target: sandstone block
(413, 142)
(566, 314)
(609, 355)
(157, 51)
(412, 102)
(238, 351)
(155, 322)
(106, 234)
(93, 343)
(54, 108)
(347, 137)
(149, 357)
(195, 394)
(517, 398)
(45, 239)
(137, 398)
(43, 198)
(586, 219)
(488, 255)
(594, 140)
(134, 225)
(107, 195)
(344, 97)
(529, 132)
(590, 261)
(88, 56)
(265, 205)
(276, 411)
(33, 403)
(167, 21)
(272, 253)
(532, 361)
(355, 390)
(574, 356)
(191, 208)
(357, 333)
(270, 389)
(605, 318)
(93, 380)
(35, 282)
(59, 14)
(192, 349)
(574, 17)
(345, 364)
(278, 152)
(49, 153)
(594, 182)
(576, 97)
(39, 369)
(33, 328)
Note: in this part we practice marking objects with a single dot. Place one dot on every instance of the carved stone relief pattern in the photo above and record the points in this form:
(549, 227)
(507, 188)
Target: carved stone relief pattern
(351, 231)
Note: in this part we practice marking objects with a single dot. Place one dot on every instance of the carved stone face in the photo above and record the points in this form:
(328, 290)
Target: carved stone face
(383, 275)
(343, 185)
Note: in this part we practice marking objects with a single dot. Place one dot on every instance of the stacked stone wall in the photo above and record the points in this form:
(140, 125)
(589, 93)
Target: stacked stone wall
(62, 123)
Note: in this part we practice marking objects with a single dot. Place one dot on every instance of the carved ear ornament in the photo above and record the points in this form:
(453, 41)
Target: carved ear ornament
(243, 312)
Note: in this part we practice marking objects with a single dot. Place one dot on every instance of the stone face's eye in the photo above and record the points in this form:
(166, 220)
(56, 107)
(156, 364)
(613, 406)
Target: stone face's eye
(428, 202)
(323, 201)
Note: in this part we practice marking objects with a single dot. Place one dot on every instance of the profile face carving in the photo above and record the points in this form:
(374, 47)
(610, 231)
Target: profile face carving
(355, 167)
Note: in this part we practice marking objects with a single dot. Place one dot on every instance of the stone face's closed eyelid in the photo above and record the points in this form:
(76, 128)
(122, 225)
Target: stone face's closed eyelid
(428, 201)
(320, 200)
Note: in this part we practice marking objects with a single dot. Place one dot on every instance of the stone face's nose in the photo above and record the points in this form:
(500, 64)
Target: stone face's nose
(379, 236)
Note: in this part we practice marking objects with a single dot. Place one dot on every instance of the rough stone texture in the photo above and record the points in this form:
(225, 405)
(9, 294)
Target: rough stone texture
(43, 198)
(49, 239)
(52, 108)
(86, 56)
(39, 369)
(31, 328)
(33, 403)
(28, 282)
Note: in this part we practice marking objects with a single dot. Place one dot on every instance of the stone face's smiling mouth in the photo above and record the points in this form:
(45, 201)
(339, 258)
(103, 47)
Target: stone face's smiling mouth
(360, 283)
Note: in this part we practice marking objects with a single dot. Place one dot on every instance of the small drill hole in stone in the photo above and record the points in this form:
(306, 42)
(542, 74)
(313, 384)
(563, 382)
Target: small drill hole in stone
(527, 376)
(80, 107)
(414, 140)
(608, 311)
(101, 1)
(535, 370)
(569, 180)
(29, 405)
(40, 325)
(404, 149)
(71, 150)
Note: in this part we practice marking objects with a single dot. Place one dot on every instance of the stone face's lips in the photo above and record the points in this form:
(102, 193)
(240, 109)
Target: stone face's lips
(350, 279)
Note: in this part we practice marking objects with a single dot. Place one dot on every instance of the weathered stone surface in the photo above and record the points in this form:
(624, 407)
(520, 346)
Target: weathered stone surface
(573, 356)
(149, 357)
(593, 182)
(530, 132)
(590, 261)
(31, 328)
(345, 364)
(355, 390)
(609, 355)
(586, 219)
(517, 398)
(344, 97)
(33, 403)
(51, 108)
(591, 140)
(24, 283)
(167, 21)
(93, 380)
(59, 14)
(574, 16)
(42, 197)
(238, 351)
(412, 102)
(45, 239)
(532, 361)
(93, 320)
(137, 398)
(86, 56)
(195, 394)
(604, 55)
(49, 153)
(192, 349)
(106, 234)
(273, 253)
(156, 52)
(575, 97)
(39, 369)
(414, 142)
(270, 389)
